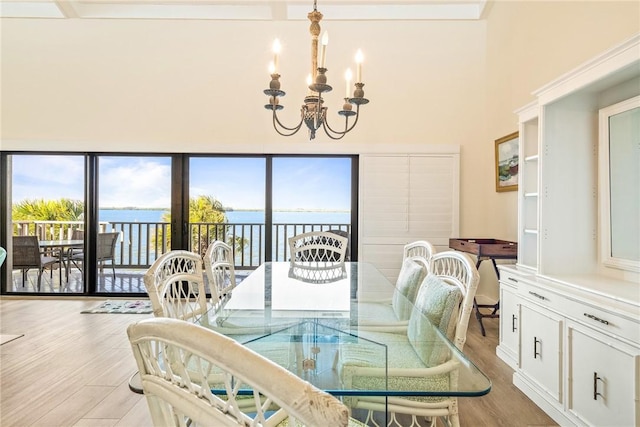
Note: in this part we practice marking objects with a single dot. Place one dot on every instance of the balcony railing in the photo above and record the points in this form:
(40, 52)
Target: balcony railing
(141, 243)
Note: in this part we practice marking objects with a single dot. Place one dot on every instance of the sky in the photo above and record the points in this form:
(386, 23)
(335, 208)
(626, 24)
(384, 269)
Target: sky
(144, 182)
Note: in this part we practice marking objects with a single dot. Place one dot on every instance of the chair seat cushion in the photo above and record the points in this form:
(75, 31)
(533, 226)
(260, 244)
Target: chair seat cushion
(377, 313)
(400, 354)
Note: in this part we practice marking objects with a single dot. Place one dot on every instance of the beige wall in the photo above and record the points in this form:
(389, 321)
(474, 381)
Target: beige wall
(196, 86)
(529, 44)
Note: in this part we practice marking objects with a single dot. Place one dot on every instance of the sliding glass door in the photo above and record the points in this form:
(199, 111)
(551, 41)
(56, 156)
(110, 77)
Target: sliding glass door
(102, 219)
(227, 202)
(134, 215)
(45, 208)
(310, 194)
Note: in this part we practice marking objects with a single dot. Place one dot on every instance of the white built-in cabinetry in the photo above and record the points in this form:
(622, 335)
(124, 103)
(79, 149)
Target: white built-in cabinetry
(569, 324)
(407, 197)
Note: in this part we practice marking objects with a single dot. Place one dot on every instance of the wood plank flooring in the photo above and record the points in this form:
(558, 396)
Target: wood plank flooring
(72, 369)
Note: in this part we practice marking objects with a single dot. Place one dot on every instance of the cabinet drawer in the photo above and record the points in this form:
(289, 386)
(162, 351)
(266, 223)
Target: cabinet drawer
(543, 297)
(509, 278)
(602, 320)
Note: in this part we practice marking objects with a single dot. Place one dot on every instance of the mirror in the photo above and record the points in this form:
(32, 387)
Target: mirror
(619, 172)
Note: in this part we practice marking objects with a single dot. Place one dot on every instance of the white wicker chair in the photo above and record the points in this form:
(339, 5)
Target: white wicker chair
(419, 248)
(393, 315)
(175, 284)
(167, 350)
(219, 266)
(317, 246)
(446, 300)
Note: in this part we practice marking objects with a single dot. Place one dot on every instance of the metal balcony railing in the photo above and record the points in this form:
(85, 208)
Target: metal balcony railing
(141, 243)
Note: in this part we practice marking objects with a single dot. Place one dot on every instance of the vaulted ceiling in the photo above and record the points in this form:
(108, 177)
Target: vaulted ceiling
(244, 9)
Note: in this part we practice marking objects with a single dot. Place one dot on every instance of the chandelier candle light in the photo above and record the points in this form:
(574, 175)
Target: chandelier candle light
(313, 113)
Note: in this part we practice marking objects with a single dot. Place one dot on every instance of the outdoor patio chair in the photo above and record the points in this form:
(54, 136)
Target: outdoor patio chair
(219, 265)
(445, 302)
(75, 255)
(317, 246)
(167, 350)
(105, 251)
(27, 256)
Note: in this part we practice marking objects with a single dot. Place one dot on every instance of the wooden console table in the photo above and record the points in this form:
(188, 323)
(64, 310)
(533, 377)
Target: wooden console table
(486, 249)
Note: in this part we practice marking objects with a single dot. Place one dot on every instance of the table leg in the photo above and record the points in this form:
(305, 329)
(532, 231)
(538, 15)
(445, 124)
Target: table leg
(495, 307)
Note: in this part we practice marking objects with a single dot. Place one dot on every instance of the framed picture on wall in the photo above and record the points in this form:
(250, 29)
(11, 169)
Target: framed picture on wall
(507, 163)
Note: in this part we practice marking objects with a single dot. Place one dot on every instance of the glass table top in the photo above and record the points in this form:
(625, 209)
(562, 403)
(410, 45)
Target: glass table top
(315, 320)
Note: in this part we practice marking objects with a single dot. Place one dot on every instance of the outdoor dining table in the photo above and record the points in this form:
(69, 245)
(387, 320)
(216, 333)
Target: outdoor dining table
(313, 310)
(61, 245)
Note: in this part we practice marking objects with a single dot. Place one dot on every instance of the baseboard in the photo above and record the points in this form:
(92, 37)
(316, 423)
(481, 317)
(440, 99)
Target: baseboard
(549, 408)
(507, 357)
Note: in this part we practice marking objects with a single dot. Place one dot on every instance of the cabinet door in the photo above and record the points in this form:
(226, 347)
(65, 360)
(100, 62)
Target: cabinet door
(509, 325)
(541, 349)
(603, 376)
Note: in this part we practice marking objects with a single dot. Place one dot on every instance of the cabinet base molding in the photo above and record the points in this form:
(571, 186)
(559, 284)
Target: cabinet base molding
(538, 398)
(507, 357)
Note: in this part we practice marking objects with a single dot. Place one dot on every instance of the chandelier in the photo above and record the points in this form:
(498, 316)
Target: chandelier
(313, 113)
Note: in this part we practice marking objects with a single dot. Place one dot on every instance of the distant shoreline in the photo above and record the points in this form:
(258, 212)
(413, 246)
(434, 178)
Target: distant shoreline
(232, 210)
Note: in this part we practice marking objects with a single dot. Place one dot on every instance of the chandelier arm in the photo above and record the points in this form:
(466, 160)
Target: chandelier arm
(276, 123)
(347, 128)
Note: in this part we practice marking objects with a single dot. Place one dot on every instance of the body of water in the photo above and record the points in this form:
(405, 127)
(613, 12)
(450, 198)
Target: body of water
(250, 217)
(135, 237)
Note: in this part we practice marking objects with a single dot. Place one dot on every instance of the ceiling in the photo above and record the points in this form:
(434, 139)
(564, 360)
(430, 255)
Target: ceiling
(246, 10)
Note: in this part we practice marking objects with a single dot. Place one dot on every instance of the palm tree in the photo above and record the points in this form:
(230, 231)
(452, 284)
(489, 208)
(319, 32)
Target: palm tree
(48, 210)
(209, 222)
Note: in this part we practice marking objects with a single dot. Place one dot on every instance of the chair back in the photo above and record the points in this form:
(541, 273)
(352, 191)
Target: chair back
(77, 234)
(168, 351)
(220, 269)
(26, 252)
(457, 268)
(317, 246)
(343, 233)
(419, 248)
(175, 284)
(106, 245)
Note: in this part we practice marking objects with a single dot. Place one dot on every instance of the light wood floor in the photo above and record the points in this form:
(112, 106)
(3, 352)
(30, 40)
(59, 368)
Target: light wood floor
(72, 369)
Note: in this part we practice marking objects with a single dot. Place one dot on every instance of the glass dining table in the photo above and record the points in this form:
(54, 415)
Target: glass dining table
(305, 317)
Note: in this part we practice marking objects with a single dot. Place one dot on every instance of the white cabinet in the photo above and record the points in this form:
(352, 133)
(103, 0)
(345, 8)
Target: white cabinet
(541, 350)
(601, 387)
(567, 346)
(508, 349)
